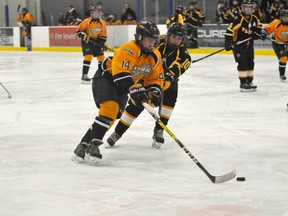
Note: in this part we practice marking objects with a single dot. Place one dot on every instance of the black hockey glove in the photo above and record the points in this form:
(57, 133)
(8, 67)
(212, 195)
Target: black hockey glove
(84, 36)
(138, 94)
(229, 45)
(169, 76)
(155, 96)
(263, 35)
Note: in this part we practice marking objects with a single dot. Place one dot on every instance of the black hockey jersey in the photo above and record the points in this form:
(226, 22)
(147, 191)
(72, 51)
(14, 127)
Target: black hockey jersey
(176, 60)
(243, 27)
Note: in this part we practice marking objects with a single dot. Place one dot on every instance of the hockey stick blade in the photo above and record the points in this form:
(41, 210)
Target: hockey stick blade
(214, 179)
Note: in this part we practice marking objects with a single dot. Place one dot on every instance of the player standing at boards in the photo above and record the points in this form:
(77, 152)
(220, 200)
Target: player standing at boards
(93, 33)
(26, 21)
(137, 71)
(278, 29)
(175, 60)
(243, 27)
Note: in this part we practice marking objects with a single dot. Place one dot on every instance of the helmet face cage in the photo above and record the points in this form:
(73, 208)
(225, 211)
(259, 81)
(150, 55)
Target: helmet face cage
(179, 9)
(92, 11)
(244, 5)
(176, 29)
(146, 29)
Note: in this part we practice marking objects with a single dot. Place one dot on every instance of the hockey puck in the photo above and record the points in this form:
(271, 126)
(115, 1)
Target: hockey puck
(240, 179)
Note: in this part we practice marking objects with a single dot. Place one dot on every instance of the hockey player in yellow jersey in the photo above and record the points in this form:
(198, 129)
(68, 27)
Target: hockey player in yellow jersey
(134, 69)
(175, 60)
(278, 29)
(92, 29)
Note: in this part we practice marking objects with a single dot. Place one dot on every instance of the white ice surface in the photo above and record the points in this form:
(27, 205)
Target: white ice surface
(50, 110)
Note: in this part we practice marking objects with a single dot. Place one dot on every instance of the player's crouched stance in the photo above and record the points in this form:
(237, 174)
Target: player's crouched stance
(137, 71)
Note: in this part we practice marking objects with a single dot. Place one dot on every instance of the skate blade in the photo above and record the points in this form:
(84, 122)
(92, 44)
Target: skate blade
(108, 146)
(245, 90)
(77, 159)
(156, 145)
(85, 82)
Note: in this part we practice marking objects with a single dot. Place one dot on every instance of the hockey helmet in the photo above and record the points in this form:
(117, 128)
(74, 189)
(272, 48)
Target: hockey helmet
(24, 10)
(179, 9)
(146, 29)
(247, 7)
(177, 29)
(94, 13)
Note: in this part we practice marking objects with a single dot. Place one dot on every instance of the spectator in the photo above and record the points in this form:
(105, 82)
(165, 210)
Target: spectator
(257, 11)
(222, 12)
(26, 21)
(112, 20)
(130, 20)
(126, 11)
(99, 6)
(72, 17)
(88, 12)
(193, 18)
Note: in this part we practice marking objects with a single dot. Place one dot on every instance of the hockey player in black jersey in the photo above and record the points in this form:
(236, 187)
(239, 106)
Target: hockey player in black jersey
(243, 27)
(175, 61)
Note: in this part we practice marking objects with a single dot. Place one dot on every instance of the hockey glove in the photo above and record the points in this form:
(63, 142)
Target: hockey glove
(84, 36)
(155, 96)
(169, 78)
(138, 94)
(229, 45)
(263, 35)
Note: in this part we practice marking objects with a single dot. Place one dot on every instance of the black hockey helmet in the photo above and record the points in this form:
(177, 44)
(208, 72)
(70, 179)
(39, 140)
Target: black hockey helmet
(24, 10)
(179, 9)
(92, 10)
(283, 15)
(177, 29)
(247, 3)
(146, 29)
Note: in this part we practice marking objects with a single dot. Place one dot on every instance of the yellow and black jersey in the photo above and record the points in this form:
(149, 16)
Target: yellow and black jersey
(177, 61)
(279, 29)
(259, 14)
(235, 12)
(193, 17)
(179, 18)
(131, 66)
(94, 29)
(242, 28)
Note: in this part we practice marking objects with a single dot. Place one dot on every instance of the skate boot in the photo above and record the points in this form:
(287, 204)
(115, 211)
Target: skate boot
(245, 87)
(283, 78)
(158, 139)
(79, 152)
(85, 78)
(112, 139)
(92, 152)
(253, 87)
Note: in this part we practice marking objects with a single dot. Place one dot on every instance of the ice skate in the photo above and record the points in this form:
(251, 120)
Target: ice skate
(79, 152)
(158, 139)
(112, 139)
(92, 152)
(245, 87)
(283, 78)
(85, 78)
(253, 87)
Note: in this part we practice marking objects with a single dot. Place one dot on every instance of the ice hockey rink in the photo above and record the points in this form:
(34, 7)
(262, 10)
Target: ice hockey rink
(50, 110)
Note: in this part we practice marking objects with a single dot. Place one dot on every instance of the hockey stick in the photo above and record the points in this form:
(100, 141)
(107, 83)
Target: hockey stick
(214, 179)
(101, 46)
(220, 50)
(9, 95)
(18, 9)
